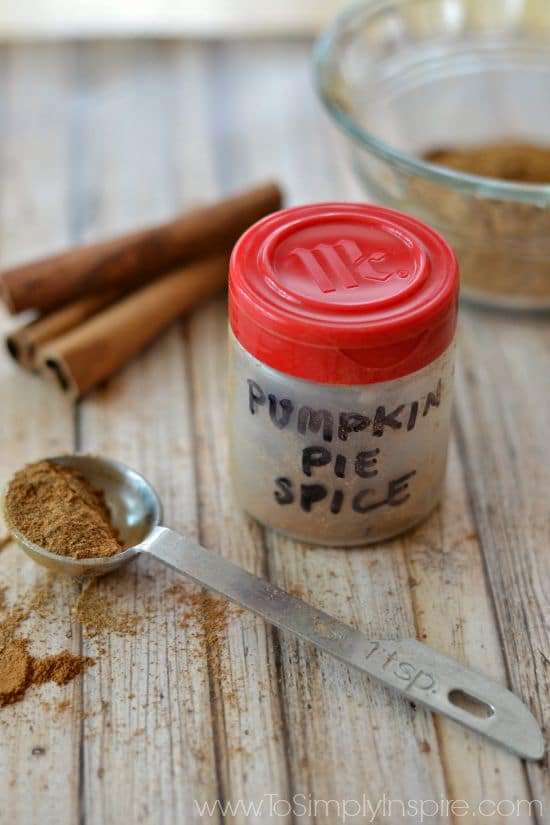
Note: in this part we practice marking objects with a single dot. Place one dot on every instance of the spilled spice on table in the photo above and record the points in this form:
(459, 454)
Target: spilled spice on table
(19, 669)
(209, 613)
(97, 613)
(40, 601)
(60, 668)
(62, 706)
(206, 619)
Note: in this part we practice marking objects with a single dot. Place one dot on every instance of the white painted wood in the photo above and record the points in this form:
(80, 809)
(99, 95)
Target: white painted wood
(454, 614)
(503, 391)
(101, 138)
(250, 733)
(40, 787)
(250, 751)
(151, 751)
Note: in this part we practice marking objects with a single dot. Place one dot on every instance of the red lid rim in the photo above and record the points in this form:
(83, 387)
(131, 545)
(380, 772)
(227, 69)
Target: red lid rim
(389, 307)
(354, 327)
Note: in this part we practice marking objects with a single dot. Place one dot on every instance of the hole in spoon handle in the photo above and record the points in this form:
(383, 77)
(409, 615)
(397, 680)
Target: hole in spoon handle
(471, 704)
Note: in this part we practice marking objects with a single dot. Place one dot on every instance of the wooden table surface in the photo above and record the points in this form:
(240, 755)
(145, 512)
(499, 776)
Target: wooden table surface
(98, 138)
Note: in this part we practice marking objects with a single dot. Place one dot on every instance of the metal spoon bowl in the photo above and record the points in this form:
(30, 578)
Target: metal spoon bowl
(135, 511)
(423, 675)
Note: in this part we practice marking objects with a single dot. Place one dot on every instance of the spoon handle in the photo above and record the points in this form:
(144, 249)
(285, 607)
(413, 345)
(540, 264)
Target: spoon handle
(408, 666)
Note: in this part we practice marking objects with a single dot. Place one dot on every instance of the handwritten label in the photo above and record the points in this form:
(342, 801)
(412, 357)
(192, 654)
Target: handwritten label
(284, 413)
(308, 492)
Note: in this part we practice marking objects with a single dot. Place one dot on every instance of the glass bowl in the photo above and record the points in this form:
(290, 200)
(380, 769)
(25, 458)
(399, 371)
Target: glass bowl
(402, 78)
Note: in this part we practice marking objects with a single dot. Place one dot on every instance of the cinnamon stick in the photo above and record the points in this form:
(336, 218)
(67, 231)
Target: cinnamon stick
(24, 343)
(89, 354)
(135, 258)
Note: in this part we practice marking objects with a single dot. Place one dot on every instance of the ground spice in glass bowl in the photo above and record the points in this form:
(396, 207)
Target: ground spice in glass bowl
(502, 242)
(57, 509)
(508, 160)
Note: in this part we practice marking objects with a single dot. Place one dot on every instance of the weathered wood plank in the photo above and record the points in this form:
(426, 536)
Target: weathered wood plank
(39, 780)
(248, 722)
(250, 744)
(151, 751)
(503, 391)
(336, 718)
(454, 614)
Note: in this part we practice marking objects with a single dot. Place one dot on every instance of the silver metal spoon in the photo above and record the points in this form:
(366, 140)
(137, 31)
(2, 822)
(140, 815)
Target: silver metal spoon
(421, 674)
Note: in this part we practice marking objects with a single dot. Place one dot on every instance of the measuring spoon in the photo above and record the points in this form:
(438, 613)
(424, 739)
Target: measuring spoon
(416, 671)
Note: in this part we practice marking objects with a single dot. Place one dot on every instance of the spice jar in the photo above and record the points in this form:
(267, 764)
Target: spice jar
(342, 320)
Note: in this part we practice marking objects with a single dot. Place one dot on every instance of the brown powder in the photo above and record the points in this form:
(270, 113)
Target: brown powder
(60, 668)
(40, 600)
(4, 541)
(96, 612)
(9, 627)
(206, 619)
(15, 672)
(208, 614)
(58, 509)
(19, 669)
(503, 245)
(519, 162)
(205, 615)
(62, 706)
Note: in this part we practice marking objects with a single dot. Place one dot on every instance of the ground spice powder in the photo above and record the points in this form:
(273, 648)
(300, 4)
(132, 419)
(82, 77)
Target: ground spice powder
(19, 670)
(519, 162)
(502, 243)
(58, 509)
(96, 611)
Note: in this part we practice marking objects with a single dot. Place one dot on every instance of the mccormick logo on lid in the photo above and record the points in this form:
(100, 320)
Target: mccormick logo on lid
(345, 264)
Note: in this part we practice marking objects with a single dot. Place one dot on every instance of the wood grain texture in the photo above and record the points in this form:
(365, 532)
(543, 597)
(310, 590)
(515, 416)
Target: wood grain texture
(153, 738)
(99, 139)
(505, 438)
(251, 745)
(38, 746)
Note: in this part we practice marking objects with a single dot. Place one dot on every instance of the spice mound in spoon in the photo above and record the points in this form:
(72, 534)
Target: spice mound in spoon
(56, 508)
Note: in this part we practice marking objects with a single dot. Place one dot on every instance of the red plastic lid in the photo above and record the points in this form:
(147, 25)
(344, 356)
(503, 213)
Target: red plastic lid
(343, 293)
